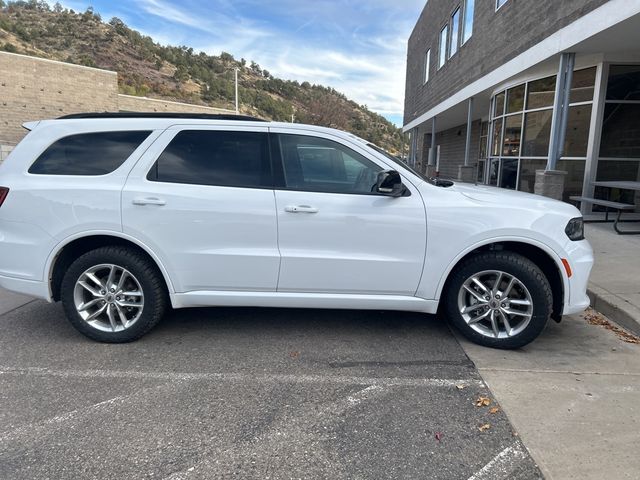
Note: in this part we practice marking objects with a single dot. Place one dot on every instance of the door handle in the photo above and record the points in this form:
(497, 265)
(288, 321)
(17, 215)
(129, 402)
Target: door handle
(300, 209)
(148, 201)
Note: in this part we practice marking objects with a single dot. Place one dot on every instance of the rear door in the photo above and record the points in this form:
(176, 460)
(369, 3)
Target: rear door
(335, 234)
(202, 199)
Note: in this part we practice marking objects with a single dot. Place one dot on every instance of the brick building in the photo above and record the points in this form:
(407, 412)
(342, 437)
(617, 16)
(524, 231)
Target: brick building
(497, 89)
(34, 88)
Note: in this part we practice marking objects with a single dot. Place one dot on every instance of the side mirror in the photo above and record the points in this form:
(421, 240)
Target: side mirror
(389, 183)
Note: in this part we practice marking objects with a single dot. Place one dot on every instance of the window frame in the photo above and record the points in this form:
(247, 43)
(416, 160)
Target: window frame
(164, 142)
(427, 66)
(150, 137)
(279, 168)
(463, 30)
(454, 41)
(442, 59)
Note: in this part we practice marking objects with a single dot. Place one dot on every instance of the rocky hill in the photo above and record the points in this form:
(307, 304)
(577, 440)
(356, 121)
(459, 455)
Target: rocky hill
(147, 68)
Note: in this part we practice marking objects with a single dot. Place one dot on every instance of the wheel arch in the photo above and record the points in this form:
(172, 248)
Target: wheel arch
(71, 248)
(541, 255)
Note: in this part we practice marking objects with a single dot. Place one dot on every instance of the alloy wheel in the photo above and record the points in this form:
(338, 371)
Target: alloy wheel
(495, 304)
(108, 297)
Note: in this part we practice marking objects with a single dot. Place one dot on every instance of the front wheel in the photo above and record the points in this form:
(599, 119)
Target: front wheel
(498, 299)
(113, 294)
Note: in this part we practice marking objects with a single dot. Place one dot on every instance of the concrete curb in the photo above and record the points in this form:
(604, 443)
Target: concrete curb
(616, 308)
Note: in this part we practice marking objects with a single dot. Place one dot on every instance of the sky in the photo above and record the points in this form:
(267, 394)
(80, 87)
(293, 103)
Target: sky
(357, 47)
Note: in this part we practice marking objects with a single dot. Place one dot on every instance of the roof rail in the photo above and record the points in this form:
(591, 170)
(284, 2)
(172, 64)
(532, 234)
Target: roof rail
(196, 116)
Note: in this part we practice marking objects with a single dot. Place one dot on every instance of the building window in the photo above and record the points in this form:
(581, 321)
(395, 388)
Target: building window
(455, 32)
(442, 53)
(467, 23)
(427, 65)
(619, 157)
(521, 131)
(500, 3)
(483, 150)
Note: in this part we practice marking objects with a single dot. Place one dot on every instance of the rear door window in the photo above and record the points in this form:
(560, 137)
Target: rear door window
(215, 157)
(96, 153)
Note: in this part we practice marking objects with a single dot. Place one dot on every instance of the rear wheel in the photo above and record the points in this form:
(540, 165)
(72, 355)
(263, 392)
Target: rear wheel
(113, 294)
(498, 299)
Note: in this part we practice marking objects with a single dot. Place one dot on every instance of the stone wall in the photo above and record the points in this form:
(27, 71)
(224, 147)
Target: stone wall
(35, 89)
(129, 103)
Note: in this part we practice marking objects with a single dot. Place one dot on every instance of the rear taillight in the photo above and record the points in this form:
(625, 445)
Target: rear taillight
(4, 191)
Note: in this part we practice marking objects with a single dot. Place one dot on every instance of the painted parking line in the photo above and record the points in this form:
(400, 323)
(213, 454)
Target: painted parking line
(263, 378)
(503, 464)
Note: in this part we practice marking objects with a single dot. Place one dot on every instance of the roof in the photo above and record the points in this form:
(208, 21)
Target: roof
(198, 116)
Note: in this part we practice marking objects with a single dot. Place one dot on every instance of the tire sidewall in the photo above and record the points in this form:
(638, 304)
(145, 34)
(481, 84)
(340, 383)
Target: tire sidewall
(138, 267)
(526, 272)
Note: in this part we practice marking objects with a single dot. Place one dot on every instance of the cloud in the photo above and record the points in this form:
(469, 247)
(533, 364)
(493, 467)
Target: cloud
(356, 47)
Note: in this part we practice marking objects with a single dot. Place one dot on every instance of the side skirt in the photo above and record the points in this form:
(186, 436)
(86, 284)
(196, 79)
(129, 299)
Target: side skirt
(302, 300)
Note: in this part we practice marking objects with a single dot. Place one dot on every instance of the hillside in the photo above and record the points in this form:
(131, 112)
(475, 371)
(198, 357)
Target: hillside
(147, 68)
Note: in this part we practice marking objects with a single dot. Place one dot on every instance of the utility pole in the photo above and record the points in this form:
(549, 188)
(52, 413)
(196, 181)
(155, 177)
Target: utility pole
(236, 72)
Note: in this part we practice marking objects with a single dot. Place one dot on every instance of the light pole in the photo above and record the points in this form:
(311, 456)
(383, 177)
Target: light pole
(236, 72)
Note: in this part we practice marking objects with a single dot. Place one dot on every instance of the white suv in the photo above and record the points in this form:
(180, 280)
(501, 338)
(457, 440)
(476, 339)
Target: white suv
(120, 216)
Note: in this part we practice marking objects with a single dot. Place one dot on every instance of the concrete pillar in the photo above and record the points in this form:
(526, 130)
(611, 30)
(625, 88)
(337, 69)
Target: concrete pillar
(430, 171)
(467, 173)
(550, 183)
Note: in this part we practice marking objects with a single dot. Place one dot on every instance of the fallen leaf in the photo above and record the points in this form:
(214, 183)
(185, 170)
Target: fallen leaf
(483, 402)
(494, 410)
(294, 354)
(484, 427)
(438, 436)
(460, 387)
(596, 318)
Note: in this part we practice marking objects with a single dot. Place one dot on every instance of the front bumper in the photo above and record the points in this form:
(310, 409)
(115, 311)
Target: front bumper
(580, 257)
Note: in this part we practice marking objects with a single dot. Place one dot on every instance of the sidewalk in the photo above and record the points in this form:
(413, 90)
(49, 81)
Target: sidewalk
(614, 286)
(573, 396)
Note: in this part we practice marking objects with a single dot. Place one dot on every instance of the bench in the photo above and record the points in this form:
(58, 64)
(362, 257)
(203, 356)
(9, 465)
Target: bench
(608, 204)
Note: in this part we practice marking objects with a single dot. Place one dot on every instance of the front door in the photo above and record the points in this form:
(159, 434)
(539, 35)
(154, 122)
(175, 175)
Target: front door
(334, 234)
(202, 199)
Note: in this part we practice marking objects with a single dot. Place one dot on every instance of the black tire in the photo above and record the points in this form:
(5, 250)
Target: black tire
(145, 272)
(513, 264)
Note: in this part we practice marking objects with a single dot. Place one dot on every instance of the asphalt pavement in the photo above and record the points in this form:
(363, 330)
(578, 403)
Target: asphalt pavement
(249, 393)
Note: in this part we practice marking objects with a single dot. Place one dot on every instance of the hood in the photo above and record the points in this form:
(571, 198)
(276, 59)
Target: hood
(503, 196)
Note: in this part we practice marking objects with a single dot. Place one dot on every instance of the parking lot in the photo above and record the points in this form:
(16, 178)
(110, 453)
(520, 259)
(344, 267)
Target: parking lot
(249, 393)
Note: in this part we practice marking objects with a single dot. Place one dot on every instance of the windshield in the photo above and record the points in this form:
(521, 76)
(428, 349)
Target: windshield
(397, 161)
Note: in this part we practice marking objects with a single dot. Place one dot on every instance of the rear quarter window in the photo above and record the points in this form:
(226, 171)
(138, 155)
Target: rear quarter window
(96, 153)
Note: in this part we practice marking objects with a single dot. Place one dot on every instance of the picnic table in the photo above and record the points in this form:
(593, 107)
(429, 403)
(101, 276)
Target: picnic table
(615, 205)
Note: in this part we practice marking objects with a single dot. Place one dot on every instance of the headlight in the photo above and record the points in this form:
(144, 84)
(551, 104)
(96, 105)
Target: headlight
(575, 229)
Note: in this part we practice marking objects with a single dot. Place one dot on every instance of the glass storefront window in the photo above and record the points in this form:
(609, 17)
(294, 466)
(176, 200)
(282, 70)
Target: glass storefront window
(497, 137)
(509, 173)
(528, 167)
(582, 85)
(537, 133)
(512, 134)
(624, 82)
(481, 167)
(541, 93)
(493, 172)
(621, 131)
(515, 99)
(577, 135)
(499, 105)
(574, 179)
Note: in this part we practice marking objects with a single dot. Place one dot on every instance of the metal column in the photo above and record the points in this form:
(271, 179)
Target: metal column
(432, 152)
(467, 146)
(560, 109)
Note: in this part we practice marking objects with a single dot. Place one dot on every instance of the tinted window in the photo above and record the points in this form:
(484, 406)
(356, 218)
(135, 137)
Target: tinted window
(88, 153)
(223, 158)
(317, 164)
